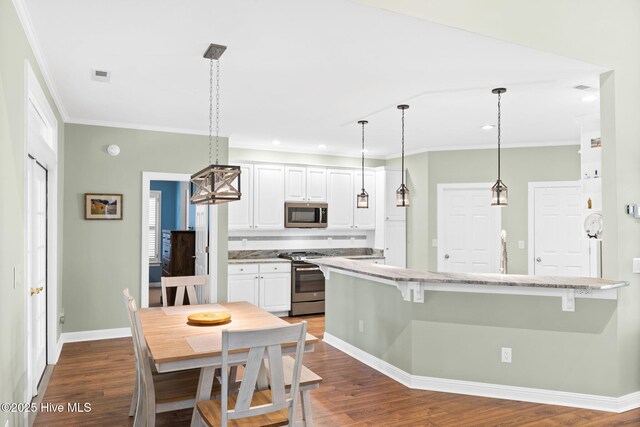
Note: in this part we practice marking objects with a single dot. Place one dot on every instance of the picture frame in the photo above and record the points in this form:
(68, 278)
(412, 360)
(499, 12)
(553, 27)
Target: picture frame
(102, 206)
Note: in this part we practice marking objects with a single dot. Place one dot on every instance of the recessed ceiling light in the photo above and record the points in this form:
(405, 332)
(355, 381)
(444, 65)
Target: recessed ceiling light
(322, 146)
(589, 98)
(488, 127)
(275, 142)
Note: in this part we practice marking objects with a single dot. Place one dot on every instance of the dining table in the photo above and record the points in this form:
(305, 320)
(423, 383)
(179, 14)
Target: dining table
(177, 344)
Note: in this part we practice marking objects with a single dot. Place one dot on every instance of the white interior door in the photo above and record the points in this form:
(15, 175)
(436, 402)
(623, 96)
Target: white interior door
(558, 246)
(202, 244)
(37, 272)
(468, 229)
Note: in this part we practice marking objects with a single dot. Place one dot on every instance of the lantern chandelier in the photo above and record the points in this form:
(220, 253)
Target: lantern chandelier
(499, 191)
(215, 184)
(402, 193)
(362, 199)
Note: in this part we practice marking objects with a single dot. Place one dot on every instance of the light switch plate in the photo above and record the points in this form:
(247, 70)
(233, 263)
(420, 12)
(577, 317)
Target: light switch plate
(434, 243)
(520, 244)
(636, 265)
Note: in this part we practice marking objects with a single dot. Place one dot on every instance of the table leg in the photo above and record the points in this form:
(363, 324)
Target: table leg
(262, 383)
(204, 391)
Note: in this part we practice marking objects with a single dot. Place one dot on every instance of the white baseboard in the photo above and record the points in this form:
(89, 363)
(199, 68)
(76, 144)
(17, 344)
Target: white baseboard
(99, 334)
(498, 391)
(59, 345)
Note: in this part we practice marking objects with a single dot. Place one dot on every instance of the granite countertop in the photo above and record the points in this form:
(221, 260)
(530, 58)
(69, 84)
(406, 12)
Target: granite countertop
(257, 260)
(398, 274)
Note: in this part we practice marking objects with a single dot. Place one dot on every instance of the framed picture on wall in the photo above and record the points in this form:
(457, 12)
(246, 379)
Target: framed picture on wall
(102, 206)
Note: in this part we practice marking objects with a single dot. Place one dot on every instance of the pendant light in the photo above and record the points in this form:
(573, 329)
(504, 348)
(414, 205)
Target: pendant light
(499, 191)
(402, 193)
(215, 184)
(362, 199)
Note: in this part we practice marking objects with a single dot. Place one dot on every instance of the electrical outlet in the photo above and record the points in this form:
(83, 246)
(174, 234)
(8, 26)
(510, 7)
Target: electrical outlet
(434, 243)
(520, 244)
(636, 265)
(361, 326)
(505, 355)
(6, 424)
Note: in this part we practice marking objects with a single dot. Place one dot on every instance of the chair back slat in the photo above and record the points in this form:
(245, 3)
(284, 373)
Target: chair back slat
(277, 373)
(250, 378)
(188, 284)
(263, 343)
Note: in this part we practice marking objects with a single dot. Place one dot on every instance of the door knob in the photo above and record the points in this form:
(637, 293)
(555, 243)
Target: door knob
(35, 291)
(538, 259)
(446, 256)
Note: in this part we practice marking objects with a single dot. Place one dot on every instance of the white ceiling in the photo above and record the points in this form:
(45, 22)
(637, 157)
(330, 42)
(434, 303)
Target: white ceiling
(303, 72)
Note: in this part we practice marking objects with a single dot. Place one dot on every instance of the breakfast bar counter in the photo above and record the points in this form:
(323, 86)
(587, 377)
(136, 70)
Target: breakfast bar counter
(415, 282)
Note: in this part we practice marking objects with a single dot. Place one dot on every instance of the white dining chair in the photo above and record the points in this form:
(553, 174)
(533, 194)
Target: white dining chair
(272, 406)
(186, 284)
(154, 392)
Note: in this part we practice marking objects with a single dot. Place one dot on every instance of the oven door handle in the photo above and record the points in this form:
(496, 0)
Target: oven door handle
(306, 269)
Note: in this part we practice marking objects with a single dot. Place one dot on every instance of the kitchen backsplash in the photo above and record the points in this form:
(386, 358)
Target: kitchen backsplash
(273, 253)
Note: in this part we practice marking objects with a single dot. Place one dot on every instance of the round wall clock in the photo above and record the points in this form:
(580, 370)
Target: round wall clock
(593, 225)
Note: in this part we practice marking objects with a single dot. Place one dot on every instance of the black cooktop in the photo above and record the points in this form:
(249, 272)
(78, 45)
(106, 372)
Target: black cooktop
(300, 255)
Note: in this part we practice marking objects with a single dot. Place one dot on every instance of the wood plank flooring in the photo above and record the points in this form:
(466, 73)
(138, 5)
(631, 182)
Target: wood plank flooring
(101, 373)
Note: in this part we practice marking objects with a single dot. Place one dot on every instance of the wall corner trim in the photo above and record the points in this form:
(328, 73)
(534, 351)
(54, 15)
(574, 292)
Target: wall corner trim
(497, 391)
(98, 334)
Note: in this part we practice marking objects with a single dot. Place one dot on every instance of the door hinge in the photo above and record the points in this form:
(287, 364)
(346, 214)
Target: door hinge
(206, 249)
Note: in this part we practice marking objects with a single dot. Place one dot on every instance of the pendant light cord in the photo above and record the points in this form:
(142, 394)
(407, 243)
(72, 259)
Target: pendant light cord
(363, 156)
(499, 117)
(403, 148)
(211, 108)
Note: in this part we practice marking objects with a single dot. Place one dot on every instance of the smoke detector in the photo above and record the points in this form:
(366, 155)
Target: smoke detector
(100, 76)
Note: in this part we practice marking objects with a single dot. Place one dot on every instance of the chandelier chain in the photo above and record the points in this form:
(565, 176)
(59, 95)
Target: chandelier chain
(499, 118)
(210, 105)
(363, 157)
(402, 148)
(217, 108)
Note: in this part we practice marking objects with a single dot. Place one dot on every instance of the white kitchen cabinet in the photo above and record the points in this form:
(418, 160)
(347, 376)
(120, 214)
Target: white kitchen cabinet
(241, 212)
(395, 243)
(267, 285)
(316, 184)
(268, 189)
(364, 219)
(305, 184)
(388, 182)
(340, 198)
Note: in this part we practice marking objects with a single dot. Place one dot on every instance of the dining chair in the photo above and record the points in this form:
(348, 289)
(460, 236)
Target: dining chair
(188, 284)
(309, 380)
(155, 392)
(251, 407)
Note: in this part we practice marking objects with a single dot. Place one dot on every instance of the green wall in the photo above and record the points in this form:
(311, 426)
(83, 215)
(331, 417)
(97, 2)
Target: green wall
(14, 51)
(459, 335)
(104, 256)
(519, 167)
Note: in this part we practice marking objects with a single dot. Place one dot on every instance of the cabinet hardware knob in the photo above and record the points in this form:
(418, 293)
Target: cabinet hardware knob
(256, 277)
(538, 259)
(446, 256)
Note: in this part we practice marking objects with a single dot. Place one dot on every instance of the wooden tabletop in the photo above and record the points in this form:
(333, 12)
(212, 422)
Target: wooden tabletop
(171, 338)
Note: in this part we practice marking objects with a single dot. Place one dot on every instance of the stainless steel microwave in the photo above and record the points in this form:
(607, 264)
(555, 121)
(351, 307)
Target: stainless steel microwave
(305, 215)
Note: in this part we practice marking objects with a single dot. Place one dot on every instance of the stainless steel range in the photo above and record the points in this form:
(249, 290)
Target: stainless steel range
(307, 283)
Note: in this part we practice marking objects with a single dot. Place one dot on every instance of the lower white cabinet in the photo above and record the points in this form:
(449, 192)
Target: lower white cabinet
(266, 285)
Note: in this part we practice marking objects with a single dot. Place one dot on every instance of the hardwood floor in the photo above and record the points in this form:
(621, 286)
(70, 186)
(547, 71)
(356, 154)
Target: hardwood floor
(101, 373)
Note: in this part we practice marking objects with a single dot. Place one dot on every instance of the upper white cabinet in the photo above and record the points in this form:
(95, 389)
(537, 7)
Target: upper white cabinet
(305, 184)
(268, 212)
(241, 212)
(342, 187)
(340, 198)
(364, 219)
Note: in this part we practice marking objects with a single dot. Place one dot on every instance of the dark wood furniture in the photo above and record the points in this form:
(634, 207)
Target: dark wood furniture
(178, 255)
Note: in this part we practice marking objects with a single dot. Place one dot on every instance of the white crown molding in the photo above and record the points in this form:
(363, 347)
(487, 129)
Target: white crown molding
(564, 142)
(497, 391)
(288, 149)
(27, 26)
(136, 126)
(98, 334)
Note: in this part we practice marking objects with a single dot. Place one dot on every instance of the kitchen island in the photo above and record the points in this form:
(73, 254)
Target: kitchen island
(448, 332)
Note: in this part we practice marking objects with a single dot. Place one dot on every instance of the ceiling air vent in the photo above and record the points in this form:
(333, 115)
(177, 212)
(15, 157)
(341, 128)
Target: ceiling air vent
(100, 76)
(582, 87)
